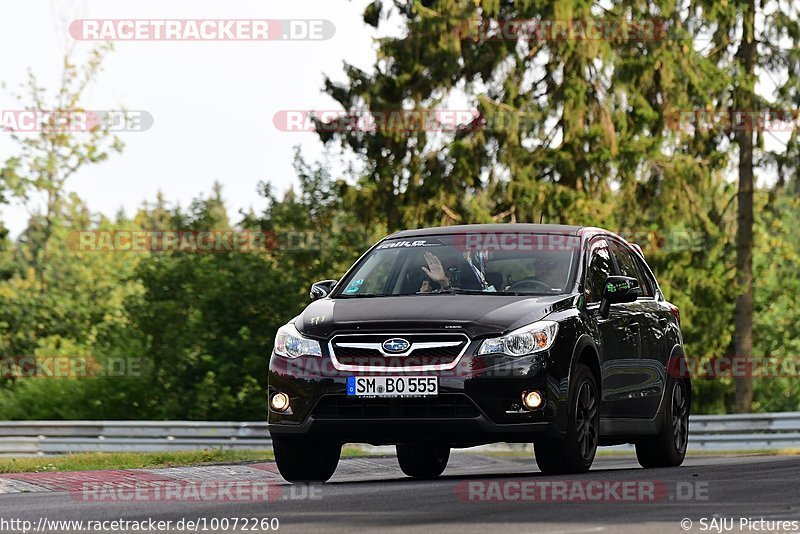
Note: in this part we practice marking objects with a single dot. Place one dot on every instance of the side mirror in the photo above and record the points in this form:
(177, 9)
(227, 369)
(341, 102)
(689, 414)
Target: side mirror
(618, 289)
(320, 290)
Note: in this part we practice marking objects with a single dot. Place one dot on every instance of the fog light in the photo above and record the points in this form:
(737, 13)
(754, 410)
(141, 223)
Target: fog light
(532, 400)
(279, 402)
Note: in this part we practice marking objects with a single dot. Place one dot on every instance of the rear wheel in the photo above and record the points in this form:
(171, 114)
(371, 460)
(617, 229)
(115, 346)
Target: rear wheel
(423, 461)
(668, 448)
(575, 453)
(303, 460)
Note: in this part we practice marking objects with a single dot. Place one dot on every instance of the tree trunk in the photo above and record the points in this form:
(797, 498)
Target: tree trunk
(743, 338)
(744, 272)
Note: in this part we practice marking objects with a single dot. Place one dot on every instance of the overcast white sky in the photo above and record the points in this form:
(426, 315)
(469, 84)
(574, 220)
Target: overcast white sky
(212, 102)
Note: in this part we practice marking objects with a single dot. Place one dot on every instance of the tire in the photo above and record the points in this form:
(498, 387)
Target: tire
(423, 461)
(304, 460)
(668, 448)
(574, 453)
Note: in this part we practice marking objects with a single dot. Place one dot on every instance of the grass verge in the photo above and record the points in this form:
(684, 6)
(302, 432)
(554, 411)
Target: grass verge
(88, 461)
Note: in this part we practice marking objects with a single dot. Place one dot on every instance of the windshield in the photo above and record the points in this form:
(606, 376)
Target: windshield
(524, 264)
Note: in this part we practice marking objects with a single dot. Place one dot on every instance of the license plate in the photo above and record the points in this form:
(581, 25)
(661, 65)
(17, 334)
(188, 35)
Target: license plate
(392, 386)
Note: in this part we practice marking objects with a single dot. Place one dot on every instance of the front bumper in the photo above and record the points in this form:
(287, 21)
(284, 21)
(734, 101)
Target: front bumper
(479, 402)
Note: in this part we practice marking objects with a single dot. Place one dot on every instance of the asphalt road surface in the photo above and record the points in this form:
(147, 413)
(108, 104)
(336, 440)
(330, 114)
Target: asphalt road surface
(477, 493)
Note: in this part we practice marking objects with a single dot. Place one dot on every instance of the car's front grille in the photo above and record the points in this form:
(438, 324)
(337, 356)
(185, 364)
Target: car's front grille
(447, 405)
(424, 351)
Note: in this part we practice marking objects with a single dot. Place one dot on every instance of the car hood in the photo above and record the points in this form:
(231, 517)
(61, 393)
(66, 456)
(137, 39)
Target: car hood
(475, 315)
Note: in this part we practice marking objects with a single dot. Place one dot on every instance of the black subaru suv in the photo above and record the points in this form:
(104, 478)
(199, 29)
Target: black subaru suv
(466, 335)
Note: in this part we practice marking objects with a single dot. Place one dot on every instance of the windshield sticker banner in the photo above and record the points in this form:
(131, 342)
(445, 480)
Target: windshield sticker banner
(410, 244)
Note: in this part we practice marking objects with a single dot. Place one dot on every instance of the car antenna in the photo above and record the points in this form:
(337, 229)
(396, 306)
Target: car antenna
(541, 217)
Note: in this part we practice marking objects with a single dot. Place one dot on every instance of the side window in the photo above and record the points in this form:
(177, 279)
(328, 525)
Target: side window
(645, 280)
(629, 266)
(600, 268)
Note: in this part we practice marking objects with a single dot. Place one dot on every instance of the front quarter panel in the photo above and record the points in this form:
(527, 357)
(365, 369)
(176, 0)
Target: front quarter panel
(317, 319)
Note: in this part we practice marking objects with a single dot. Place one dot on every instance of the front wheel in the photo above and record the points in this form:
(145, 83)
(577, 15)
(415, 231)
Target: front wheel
(575, 453)
(303, 460)
(668, 448)
(423, 461)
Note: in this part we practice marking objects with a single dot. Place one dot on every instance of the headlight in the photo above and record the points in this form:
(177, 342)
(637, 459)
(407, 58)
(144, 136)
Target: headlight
(289, 343)
(529, 339)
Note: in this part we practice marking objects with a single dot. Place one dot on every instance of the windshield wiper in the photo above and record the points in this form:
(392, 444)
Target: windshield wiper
(440, 291)
(456, 291)
(359, 295)
(501, 293)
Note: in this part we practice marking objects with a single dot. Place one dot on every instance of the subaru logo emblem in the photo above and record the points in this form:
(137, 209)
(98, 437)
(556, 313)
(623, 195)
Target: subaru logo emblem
(396, 345)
